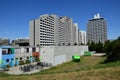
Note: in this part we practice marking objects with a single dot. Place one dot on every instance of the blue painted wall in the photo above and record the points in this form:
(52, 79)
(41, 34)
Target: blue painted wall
(7, 59)
(10, 57)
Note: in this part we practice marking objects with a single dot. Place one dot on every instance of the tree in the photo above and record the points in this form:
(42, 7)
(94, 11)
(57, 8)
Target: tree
(107, 48)
(113, 50)
(92, 46)
(99, 47)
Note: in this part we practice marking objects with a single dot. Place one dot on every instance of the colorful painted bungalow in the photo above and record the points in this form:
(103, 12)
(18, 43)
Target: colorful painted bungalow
(26, 54)
(14, 56)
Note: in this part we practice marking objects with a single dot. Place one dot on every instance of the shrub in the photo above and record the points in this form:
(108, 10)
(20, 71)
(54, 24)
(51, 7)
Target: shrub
(27, 61)
(21, 63)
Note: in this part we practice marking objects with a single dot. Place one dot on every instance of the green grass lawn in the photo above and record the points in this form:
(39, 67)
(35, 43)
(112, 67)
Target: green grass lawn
(89, 68)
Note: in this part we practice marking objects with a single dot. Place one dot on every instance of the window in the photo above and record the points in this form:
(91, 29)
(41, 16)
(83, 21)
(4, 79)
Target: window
(12, 59)
(33, 49)
(20, 58)
(7, 60)
(9, 51)
(27, 57)
(3, 51)
(27, 50)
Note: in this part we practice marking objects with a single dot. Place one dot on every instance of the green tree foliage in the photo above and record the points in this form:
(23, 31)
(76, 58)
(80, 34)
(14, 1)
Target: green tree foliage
(113, 50)
(107, 47)
(98, 47)
(92, 46)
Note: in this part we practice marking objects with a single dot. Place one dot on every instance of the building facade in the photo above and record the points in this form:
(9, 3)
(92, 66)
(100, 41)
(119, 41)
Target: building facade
(65, 31)
(50, 30)
(20, 42)
(42, 30)
(4, 41)
(75, 31)
(97, 29)
(18, 55)
(83, 37)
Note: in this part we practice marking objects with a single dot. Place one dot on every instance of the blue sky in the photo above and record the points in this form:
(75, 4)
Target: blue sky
(16, 14)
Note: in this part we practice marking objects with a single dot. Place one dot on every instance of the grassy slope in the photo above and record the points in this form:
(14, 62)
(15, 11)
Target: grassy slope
(89, 68)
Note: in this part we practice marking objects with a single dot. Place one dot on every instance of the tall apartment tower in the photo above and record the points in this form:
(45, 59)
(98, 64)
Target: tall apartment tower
(49, 30)
(42, 30)
(97, 29)
(65, 31)
(83, 37)
(75, 31)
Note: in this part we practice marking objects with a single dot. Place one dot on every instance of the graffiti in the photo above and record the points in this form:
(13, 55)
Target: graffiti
(44, 64)
(38, 65)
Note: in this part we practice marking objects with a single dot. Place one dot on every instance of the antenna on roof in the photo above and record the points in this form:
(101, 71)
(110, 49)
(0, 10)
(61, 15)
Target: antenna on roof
(97, 16)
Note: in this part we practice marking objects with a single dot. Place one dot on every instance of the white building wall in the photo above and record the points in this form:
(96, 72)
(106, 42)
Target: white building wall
(60, 54)
(37, 49)
(79, 37)
(83, 49)
(21, 52)
(75, 33)
(83, 37)
(31, 33)
(47, 54)
(30, 49)
(65, 30)
(37, 32)
(42, 30)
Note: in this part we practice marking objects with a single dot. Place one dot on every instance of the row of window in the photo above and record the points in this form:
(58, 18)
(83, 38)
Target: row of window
(46, 35)
(47, 39)
(46, 24)
(46, 42)
(43, 36)
(46, 21)
(17, 50)
(8, 60)
(50, 29)
(47, 27)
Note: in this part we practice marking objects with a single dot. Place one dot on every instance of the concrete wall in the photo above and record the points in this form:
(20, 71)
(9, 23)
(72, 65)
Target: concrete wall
(31, 33)
(60, 54)
(70, 50)
(47, 54)
(37, 32)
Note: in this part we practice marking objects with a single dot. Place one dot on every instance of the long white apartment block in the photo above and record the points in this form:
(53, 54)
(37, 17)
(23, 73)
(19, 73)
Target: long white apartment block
(75, 31)
(83, 39)
(97, 29)
(65, 31)
(51, 30)
(42, 30)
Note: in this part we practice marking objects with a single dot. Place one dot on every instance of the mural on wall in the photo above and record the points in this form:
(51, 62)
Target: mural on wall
(7, 56)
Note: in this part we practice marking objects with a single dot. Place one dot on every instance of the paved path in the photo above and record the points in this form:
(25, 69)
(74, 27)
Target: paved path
(17, 71)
